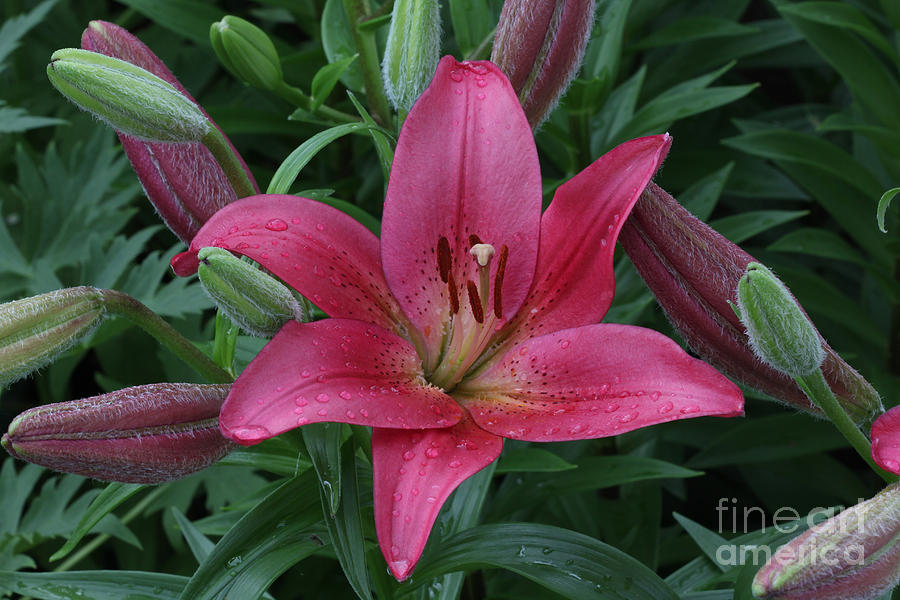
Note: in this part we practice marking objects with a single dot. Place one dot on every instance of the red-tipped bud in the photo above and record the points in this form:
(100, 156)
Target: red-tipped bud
(540, 45)
(854, 555)
(145, 434)
(183, 181)
(694, 272)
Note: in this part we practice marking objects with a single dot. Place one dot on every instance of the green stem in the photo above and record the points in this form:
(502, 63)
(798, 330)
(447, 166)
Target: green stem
(296, 97)
(368, 61)
(95, 543)
(224, 342)
(480, 53)
(221, 150)
(382, 10)
(123, 305)
(815, 387)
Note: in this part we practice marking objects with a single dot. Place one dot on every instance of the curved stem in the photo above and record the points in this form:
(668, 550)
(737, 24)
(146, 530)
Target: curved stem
(224, 155)
(815, 387)
(296, 97)
(368, 62)
(123, 305)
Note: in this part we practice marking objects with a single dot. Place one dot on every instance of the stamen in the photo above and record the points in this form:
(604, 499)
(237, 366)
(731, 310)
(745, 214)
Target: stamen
(475, 301)
(454, 295)
(443, 257)
(498, 281)
(482, 253)
(474, 239)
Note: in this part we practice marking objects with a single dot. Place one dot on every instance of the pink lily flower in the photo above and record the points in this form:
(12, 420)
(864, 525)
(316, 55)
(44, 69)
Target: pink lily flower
(184, 182)
(885, 436)
(473, 319)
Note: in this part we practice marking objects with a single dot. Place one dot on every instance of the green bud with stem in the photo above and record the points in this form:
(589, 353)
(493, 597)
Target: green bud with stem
(246, 51)
(412, 52)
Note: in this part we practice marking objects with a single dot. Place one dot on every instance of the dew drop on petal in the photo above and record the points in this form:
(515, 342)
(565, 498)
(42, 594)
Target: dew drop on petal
(300, 401)
(892, 465)
(322, 412)
(665, 407)
(693, 408)
(432, 453)
(564, 344)
(409, 455)
(345, 395)
(455, 464)
(628, 417)
(320, 227)
(276, 225)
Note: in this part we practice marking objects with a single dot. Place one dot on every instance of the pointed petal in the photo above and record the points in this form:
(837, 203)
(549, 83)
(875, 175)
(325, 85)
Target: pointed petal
(886, 440)
(414, 473)
(337, 370)
(316, 249)
(594, 381)
(574, 284)
(465, 165)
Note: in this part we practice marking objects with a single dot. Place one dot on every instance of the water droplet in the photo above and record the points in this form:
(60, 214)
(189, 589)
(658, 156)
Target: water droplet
(234, 561)
(546, 550)
(693, 408)
(323, 397)
(456, 76)
(398, 496)
(611, 407)
(430, 499)
(564, 344)
(665, 407)
(481, 96)
(276, 225)
(414, 491)
(322, 412)
(521, 552)
(628, 417)
(409, 455)
(395, 551)
(654, 396)
(432, 453)
(363, 412)
(300, 401)
(350, 414)
(345, 395)
(892, 465)
(304, 374)
(320, 227)
(455, 464)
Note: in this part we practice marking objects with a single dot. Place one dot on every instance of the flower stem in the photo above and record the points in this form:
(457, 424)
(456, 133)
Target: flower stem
(224, 342)
(296, 97)
(123, 305)
(815, 387)
(217, 144)
(368, 61)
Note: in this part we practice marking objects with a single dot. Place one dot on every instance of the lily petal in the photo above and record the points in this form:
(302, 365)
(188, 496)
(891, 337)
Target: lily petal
(465, 164)
(594, 381)
(414, 473)
(337, 370)
(574, 283)
(886, 440)
(319, 251)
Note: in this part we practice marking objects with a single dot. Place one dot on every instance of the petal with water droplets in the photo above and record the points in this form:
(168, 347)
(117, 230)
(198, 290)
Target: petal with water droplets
(414, 473)
(594, 381)
(335, 370)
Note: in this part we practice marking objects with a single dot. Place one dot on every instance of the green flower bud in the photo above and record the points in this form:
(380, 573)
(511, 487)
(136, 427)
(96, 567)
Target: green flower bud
(413, 50)
(779, 331)
(258, 303)
(247, 52)
(33, 331)
(128, 98)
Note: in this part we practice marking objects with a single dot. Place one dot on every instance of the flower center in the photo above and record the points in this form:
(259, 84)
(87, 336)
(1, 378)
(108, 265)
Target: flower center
(471, 324)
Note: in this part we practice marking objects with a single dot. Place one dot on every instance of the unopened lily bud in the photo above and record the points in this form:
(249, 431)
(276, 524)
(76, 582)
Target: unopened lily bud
(257, 302)
(412, 52)
(779, 332)
(33, 331)
(854, 555)
(246, 51)
(184, 181)
(540, 46)
(694, 271)
(145, 434)
(129, 98)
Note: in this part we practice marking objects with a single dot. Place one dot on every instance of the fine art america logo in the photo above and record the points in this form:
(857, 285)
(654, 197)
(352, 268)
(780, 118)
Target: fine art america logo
(736, 519)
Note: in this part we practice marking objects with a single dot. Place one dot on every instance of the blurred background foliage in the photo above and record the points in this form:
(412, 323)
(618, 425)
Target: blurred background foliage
(786, 119)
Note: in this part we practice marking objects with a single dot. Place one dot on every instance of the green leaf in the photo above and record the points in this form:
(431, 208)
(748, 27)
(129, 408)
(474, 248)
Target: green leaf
(806, 149)
(472, 22)
(266, 541)
(200, 545)
(817, 242)
(768, 438)
(691, 29)
(337, 41)
(15, 489)
(95, 585)
(289, 170)
(532, 460)
(844, 16)
(872, 84)
(743, 226)
(275, 455)
(14, 28)
(381, 140)
(323, 443)
(707, 540)
(15, 120)
(701, 198)
(111, 497)
(370, 222)
(617, 111)
(883, 204)
(187, 18)
(570, 564)
(326, 78)
(345, 524)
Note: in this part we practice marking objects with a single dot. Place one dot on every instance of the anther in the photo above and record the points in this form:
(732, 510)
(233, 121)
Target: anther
(498, 281)
(454, 295)
(475, 301)
(474, 239)
(482, 253)
(443, 257)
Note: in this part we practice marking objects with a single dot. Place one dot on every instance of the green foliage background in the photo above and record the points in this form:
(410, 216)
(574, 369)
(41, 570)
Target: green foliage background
(786, 119)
